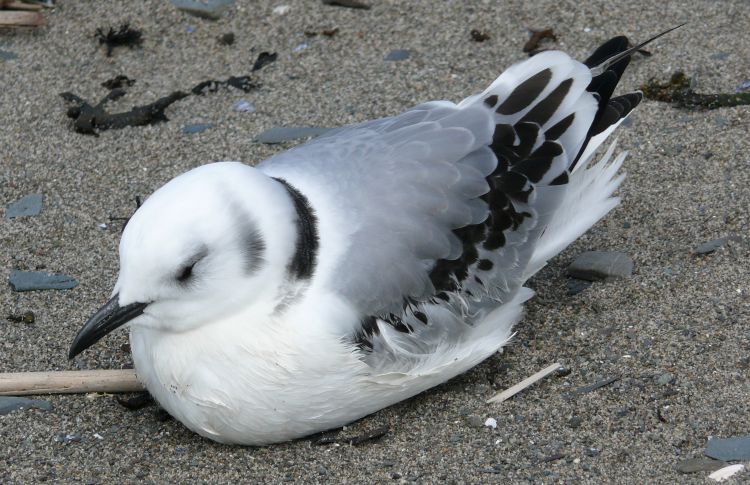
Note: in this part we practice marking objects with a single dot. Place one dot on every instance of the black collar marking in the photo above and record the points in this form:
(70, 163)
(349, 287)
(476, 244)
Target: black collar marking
(306, 252)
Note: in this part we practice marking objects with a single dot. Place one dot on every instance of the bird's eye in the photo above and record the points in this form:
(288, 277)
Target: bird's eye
(186, 273)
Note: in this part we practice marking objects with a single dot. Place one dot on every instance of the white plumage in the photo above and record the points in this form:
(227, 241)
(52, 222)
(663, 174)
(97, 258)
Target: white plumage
(366, 266)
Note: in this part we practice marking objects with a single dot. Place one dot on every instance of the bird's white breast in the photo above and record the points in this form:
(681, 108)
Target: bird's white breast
(241, 380)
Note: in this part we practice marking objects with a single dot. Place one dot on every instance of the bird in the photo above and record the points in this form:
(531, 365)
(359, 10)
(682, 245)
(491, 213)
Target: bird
(270, 302)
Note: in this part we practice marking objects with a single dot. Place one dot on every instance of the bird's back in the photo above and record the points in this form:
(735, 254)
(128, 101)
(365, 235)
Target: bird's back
(446, 210)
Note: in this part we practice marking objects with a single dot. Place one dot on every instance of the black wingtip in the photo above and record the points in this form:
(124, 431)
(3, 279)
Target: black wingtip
(602, 66)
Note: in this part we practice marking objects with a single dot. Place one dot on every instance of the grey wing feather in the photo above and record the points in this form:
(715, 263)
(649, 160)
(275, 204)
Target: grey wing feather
(405, 183)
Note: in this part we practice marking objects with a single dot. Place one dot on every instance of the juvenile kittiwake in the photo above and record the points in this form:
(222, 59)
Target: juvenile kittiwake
(376, 261)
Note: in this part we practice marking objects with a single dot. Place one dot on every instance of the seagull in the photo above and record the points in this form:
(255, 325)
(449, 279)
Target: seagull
(270, 302)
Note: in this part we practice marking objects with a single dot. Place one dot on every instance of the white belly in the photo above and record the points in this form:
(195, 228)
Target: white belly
(249, 383)
(240, 392)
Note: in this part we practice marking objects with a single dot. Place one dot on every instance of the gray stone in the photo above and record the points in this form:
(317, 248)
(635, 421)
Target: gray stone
(720, 56)
(282, 134)
(601, 265)
(576, 286)
(196, 128)
(729, 449)
(40, 280)
(694, 465)
(207, 9)
(475, 421)
(665, 379)
(398, 55)
(575, 422)
(8, 55)
(711, 246)
(29, 205)
(744, 86)
(243, 106)
(69, 438)
(9, 404)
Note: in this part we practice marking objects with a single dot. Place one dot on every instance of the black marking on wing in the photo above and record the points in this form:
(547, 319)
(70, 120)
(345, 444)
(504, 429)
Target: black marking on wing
(558, 129)
(610, 110)
(543, 111)
(368, 328)
(616, 109)
(512, 181)
(520, 167)
(304, 260)
(525, 93)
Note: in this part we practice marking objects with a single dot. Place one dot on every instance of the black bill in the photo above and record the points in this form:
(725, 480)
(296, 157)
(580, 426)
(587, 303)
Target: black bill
(108, 318)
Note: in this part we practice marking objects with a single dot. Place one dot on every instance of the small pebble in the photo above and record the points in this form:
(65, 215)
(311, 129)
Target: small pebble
(398, 55)
(729, 449)
(29, 205)
(744, 86)
(9, 404)
(8, 55)
(300, 47)
(70, 438)
(694, 465)
(710, 246)
(575, 422)
(243, 106)
(491, 423)
(665, 379)
(208, 9)
(601, 265)
(39, 280)
(724, 473)
(196, 128)
(474, 421)
(576, 286)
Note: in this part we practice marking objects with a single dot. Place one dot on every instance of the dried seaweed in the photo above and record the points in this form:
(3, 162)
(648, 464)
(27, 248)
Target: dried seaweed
(678, 92)
(93, 118)
(478, 36)
(25, 317)
(347, 3)
(89, 119)
(139, 401)
(226, 39)
(537, 36)
(243, 83)
(264, 58)
(124, 36)
(325, 32)
(119, 81)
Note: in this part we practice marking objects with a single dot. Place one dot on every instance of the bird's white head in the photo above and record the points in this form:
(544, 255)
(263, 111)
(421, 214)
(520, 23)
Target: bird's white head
(198, 249)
